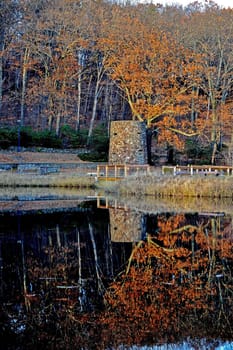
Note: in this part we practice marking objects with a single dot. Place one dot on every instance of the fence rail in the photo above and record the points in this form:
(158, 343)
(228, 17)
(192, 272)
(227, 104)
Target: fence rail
(118, 171)
(198, 169)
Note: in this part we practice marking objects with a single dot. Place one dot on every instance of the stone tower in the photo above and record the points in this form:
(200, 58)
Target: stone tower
(128, 143)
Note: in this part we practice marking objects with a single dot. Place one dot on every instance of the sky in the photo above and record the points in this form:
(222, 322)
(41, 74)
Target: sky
(222, 3)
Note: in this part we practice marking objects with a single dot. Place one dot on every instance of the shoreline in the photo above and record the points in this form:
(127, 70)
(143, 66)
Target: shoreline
(66, 170)
(154, 185)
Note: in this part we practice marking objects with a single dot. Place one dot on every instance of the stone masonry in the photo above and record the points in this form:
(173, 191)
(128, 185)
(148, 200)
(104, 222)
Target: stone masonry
(125, 226)
(128, 143)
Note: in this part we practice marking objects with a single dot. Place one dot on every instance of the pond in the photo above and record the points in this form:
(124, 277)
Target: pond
(79, 270)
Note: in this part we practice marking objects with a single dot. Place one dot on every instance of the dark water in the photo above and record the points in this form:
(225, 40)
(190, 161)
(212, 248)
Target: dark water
(103, 276)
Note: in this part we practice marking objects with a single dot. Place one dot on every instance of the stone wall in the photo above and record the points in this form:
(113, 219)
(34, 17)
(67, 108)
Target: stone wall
(128, 143)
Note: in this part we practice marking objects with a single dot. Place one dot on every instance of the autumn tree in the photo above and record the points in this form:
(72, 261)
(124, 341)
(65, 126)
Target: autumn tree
(156, 76)
(71, 62)
(194, 31)
(54, 46)
(68, 73)
(9, 17)
(206, 31)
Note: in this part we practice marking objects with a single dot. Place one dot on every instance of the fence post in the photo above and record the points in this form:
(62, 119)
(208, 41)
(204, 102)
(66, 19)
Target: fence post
(191, 170)
(125, 170)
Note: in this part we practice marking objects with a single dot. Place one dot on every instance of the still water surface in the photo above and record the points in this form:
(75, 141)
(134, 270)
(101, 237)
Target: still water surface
(82, 273)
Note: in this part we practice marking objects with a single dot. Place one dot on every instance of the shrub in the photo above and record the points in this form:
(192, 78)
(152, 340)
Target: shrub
(71, 138)
(94, 157)
(47, 138)
(200, 154)
(8, 137)
(98, 146)
(28, 138)
(100, 140)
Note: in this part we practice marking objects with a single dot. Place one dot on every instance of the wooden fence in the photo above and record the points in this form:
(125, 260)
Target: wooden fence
(119, 171)
(198, 169)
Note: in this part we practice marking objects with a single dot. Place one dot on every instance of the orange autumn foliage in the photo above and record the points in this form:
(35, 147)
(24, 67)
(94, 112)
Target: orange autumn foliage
(170, 279)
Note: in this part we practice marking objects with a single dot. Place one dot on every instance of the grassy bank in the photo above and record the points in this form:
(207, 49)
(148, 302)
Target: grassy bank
(169, 186)
(155, 185)
(68, 180)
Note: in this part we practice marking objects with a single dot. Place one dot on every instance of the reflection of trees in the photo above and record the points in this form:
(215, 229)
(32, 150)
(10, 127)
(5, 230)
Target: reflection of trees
(59, 277)
(177, 283)
(69, 272)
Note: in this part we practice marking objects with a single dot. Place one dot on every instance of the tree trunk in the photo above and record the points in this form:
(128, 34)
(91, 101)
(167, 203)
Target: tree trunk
(1, 73)
(87, 95)
(93, 115)
(77, 124)
(98, 89)
(24, 82)
(50, 116)
(149, 134)
(58, 123)
(80, 63)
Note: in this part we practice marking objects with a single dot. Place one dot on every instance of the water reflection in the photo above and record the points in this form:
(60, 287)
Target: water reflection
(110, 277)
(201, 344)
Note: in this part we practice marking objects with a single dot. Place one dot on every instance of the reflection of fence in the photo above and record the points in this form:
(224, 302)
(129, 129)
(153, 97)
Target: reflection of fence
(118, 171)
(107, 203)
(198, 169)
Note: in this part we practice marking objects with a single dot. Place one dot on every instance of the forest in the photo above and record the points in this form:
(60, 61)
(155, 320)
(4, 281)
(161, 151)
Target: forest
(80, 64)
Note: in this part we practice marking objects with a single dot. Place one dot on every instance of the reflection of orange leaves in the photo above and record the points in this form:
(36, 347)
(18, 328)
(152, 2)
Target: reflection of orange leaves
(182, 252)
(164, 278)
(169, 224)
(201, 238)
(226, 248)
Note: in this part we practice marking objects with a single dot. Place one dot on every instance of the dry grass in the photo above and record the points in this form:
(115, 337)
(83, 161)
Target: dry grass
(155, 185)
(68, 180)
(169, 186)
